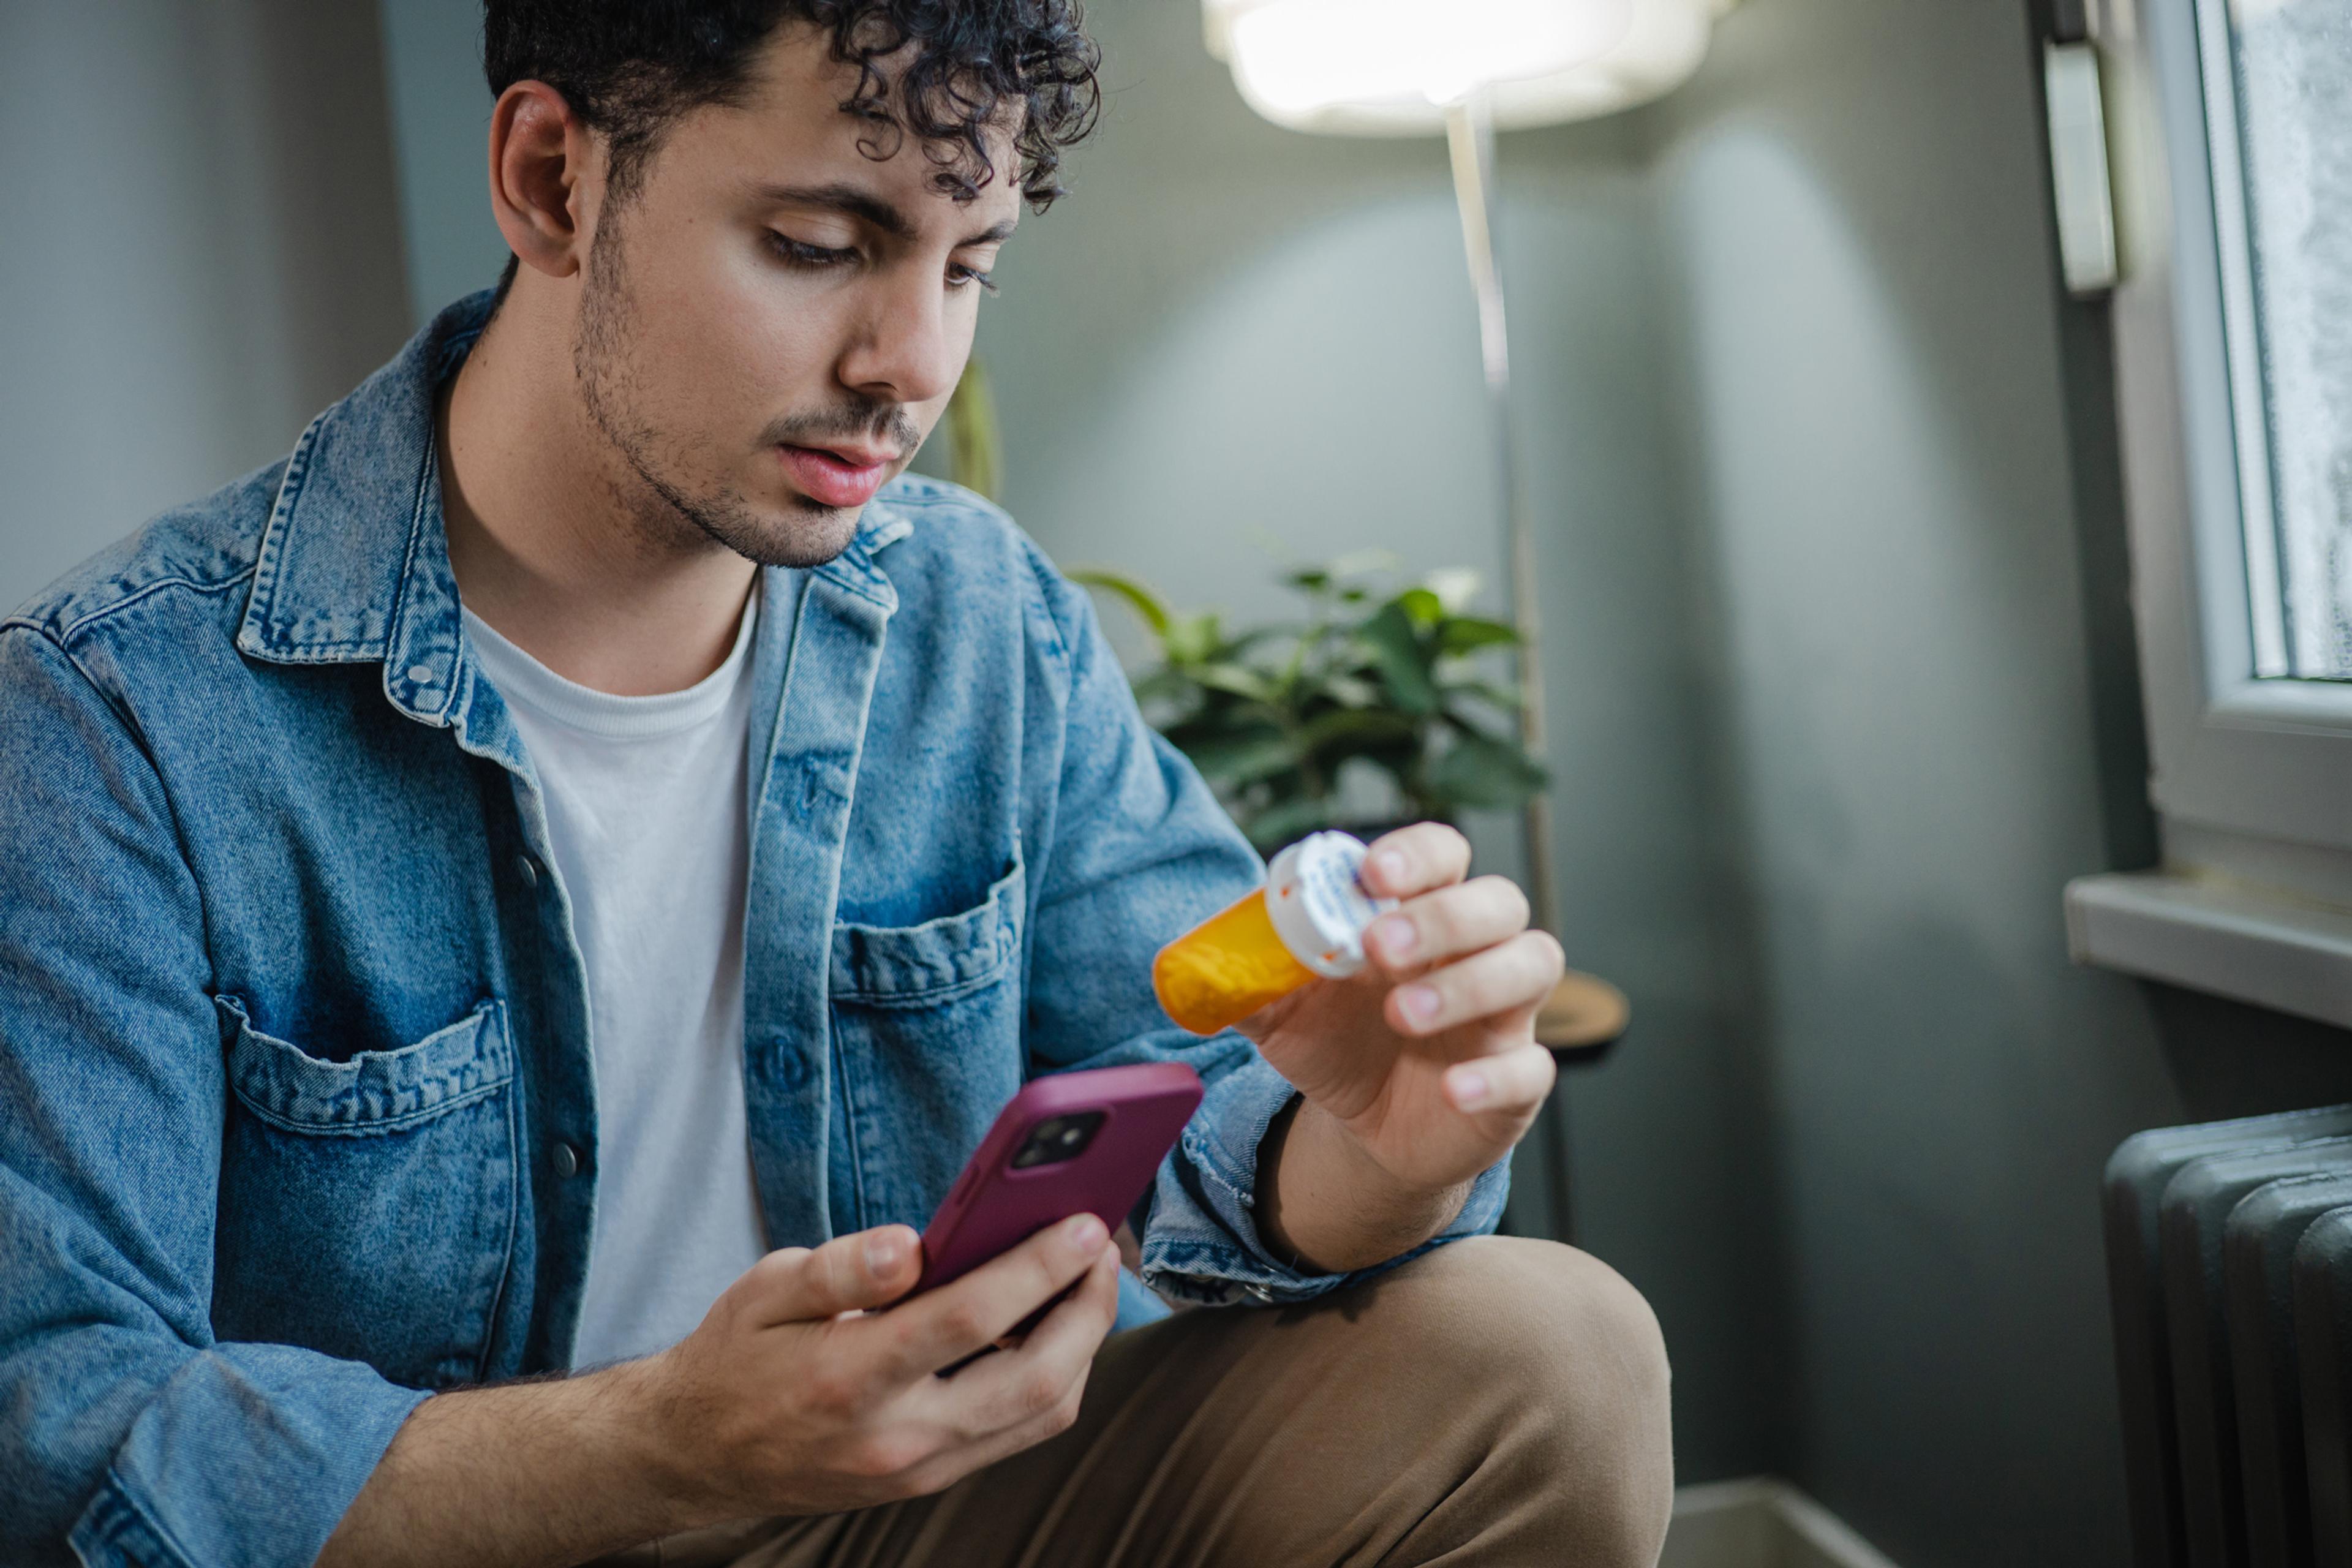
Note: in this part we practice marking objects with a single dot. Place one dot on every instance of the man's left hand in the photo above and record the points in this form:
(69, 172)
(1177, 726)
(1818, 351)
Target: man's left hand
(1426, 1058)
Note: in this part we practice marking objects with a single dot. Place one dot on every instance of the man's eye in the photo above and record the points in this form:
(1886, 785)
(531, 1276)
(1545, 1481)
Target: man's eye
(801, 254)
(962, 277)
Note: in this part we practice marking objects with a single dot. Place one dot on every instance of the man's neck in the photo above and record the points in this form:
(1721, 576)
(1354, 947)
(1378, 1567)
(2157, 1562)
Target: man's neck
(558, 544)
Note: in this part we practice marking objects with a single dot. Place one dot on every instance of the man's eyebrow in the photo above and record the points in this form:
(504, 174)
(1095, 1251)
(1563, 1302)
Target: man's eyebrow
(861, 204)
(846, 198)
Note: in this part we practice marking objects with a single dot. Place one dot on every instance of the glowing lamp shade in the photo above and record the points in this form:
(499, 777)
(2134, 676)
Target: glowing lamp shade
(1389, 67)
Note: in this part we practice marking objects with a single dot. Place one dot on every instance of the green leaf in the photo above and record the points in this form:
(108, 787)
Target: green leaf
(1140, 599)
(1238, 760)
(1487, 691)
(1480, 771)
(1308, 579)
(1465, 633)
(1350, 691)
(1194, 639)
(976, 454)
(1396, 653)
(1365, 726)
(1237, 678)
(1425, 608)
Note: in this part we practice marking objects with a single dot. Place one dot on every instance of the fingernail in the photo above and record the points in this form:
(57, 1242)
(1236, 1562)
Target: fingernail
(1395, 936)
(1470, 1089)
(1390, 866)
(1418, 1002)
(1086, 1234)
(884, 1249)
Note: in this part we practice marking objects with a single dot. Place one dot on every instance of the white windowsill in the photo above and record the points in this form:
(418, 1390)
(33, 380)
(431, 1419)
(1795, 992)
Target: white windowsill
(2237, 941)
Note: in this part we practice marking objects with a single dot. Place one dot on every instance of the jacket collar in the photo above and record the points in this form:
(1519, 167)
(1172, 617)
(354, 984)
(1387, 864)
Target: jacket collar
(355, 564)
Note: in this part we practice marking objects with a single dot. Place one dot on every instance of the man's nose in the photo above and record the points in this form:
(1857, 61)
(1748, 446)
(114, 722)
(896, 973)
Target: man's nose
(906, 351)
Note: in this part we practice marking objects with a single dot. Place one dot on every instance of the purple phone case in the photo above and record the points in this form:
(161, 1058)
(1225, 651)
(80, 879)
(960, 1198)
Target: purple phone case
(993, 1206)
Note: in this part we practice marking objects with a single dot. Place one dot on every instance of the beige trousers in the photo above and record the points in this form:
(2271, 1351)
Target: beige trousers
(1493, 1402)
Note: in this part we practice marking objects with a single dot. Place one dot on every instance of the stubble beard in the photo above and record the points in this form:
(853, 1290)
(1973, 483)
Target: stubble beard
(658, 502)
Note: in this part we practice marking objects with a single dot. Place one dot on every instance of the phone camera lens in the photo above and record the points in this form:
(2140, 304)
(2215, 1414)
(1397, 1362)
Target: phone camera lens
(1059, 1139)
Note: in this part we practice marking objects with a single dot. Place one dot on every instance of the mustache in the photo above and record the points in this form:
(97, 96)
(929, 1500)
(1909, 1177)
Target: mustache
(886, 422)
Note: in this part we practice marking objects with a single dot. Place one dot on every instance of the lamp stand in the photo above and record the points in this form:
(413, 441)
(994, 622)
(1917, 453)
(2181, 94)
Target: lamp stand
(1584, 1014)
(1470, 136)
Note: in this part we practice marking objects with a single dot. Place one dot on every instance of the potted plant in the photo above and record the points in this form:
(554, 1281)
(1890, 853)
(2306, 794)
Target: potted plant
(1398, 683)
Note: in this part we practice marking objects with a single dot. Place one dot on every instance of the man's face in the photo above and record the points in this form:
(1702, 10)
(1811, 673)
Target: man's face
(772, 320)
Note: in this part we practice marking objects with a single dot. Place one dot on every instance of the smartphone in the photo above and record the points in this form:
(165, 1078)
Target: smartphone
(1070, 1143)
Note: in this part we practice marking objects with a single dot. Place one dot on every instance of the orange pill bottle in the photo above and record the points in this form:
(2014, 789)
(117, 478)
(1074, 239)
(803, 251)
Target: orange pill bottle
(1307, 923)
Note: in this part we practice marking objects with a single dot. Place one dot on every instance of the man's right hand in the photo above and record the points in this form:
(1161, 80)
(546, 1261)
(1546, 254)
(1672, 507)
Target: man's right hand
(793, 1396)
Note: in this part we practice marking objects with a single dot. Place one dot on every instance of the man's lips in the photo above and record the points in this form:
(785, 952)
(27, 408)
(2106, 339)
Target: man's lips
(846, 477)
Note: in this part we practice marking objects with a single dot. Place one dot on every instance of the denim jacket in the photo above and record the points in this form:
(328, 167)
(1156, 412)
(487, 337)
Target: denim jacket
(297, 1121)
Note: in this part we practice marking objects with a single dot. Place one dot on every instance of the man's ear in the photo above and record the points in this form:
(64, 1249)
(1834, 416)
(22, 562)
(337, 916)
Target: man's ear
(540, 158)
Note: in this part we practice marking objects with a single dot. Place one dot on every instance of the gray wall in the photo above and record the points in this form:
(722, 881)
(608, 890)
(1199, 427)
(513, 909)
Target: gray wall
(441, 123)
(1875, 426)
(200, 251)
(1900, 456)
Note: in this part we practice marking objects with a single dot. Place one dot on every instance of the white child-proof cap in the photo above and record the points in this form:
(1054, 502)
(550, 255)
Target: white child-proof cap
(1318, 907)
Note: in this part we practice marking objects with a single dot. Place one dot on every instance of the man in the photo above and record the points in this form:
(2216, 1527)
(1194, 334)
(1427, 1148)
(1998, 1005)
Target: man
(584, 820)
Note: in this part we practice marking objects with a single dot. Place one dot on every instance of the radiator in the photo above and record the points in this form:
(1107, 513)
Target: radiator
(2229, 1271)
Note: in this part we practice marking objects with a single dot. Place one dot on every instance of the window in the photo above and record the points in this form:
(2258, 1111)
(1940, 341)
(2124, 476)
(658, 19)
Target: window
(2231, 126)
(2277, 79)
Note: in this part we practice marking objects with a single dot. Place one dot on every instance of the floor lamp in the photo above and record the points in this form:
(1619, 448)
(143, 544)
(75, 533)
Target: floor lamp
(1463, 68)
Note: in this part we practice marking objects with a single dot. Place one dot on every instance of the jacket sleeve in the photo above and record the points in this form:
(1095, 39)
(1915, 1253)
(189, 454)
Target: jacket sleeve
(128, 1432)
(1138, 851)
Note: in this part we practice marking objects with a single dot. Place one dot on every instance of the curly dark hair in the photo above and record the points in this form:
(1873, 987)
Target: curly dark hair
(630, 68)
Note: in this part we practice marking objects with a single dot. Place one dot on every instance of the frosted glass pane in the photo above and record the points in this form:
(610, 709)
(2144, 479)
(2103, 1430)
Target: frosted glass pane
(2293, 63)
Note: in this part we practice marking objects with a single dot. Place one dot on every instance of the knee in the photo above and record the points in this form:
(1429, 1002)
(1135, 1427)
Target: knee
(1568, 1358)
(1558, 1322)
(1599, 1320)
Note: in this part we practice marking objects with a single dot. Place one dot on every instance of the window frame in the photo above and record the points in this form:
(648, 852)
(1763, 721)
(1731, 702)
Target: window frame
(2267, 757)
(2250, 776)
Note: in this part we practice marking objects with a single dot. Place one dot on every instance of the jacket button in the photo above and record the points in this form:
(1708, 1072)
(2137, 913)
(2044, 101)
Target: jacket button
(527, 864)
(566, 1160)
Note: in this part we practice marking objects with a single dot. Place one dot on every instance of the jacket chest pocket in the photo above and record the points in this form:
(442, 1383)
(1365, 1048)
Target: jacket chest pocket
(928, 1046)
(367, 1206)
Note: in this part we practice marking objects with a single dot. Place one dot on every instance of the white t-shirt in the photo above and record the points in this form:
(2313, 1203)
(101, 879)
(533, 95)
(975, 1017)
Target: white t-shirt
(647, 811)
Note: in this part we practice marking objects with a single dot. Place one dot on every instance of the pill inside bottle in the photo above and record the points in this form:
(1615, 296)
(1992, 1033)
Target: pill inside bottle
(1308, 921)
